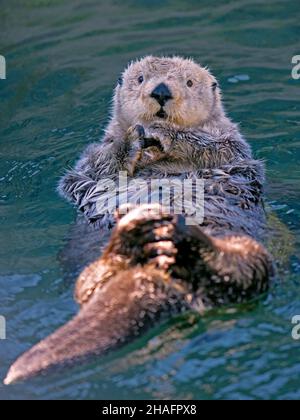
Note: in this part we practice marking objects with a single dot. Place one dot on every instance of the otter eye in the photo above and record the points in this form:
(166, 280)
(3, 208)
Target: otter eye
(140, 79)
(189, 83)
(214, 85)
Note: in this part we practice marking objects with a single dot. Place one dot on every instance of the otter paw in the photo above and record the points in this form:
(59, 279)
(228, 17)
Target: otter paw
(159, 135)
(136, 133)
(145, 139)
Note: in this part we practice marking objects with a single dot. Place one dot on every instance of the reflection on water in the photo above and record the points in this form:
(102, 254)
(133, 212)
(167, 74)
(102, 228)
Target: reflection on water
(63, 59)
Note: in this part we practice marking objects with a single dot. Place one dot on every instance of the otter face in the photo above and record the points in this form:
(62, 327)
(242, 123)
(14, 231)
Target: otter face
(174, 89)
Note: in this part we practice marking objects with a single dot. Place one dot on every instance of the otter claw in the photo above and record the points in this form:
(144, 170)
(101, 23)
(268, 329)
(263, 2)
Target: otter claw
(140, 130)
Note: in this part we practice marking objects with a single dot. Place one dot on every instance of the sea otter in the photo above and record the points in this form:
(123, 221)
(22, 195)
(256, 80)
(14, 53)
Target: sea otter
(168, 121)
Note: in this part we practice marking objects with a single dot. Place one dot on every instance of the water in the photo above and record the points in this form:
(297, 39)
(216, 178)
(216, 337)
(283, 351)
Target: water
(63, 58)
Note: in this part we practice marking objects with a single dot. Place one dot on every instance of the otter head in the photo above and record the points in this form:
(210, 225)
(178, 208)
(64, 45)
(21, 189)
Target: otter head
(171, 89)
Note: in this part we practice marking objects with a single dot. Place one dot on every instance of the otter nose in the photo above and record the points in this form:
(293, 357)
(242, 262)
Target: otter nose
(161, 93)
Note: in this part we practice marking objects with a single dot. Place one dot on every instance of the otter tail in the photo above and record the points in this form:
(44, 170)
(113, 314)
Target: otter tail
(123, 308)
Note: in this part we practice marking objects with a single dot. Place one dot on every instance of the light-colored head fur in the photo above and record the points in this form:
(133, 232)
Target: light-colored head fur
(196, 98)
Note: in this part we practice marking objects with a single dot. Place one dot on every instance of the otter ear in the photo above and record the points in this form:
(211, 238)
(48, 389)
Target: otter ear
(214, 85)
(120, 81)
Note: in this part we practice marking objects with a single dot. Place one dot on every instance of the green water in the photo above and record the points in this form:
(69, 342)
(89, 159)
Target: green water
(63, 58)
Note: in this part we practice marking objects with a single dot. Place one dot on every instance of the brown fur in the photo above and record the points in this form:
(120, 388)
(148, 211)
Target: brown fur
(154, 266)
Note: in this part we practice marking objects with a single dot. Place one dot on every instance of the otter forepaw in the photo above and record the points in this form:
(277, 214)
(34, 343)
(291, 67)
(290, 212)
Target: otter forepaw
(136, 133)
(145, 137)
(145, 146)
(134, 136)
(159, 134)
